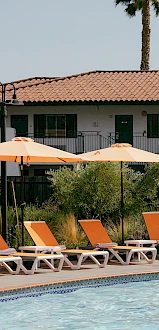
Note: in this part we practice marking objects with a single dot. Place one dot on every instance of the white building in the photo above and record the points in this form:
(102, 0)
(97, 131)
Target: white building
(89, 111)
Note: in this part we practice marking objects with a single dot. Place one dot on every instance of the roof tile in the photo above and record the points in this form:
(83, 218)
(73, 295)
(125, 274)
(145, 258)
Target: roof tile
(91, 86)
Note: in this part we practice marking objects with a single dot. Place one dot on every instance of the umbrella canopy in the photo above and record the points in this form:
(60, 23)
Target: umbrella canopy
(31, 152)
(121, 152)
(25, 150)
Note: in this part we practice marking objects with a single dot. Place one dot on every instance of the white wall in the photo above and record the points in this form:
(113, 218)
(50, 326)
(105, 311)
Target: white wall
(12, 168)
(93, 118)
(87, 116)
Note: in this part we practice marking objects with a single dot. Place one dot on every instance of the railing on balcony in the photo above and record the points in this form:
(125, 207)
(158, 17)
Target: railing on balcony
(141, 141)
(84, 142)
(88, 141)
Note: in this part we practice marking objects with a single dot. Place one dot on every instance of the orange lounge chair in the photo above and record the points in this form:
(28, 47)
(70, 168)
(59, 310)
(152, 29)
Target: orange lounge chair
(9, 254)
(42, 236)
(99, 238)
(45, 241)
(152, 224)
(5, 250)
(96, 233)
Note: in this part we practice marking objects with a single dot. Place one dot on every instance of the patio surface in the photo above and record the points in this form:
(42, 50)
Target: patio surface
(88, 271)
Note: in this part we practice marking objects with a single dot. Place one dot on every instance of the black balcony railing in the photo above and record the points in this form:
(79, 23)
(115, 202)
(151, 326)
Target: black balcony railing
(140, 141)
(84, 142)
(88, 141)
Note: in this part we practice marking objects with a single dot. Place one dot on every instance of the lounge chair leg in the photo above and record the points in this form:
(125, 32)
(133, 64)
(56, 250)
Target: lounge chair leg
(105, 261)
(104, 254)
(116, 254)
(69, 263)
(47, 262)
(80, 260)
(131, 252)
(150, 261)
(10, 270)
(51, 264)
(33, 268)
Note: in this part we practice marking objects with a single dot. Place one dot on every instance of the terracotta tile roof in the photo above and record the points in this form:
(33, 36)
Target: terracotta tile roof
(27, 82)
(95, 86)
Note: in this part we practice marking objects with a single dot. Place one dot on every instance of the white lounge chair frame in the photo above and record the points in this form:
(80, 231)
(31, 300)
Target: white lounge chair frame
(141, 243)
(82, 255)
(130, 250)
(36, 258)
(4, 262)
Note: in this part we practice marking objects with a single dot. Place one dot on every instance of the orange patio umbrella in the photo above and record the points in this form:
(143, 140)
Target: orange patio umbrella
(25, 150)
(121, 152)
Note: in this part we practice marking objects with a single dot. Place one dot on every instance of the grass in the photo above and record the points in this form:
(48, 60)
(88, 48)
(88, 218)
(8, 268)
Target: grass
(134, 228)
(69, 232)
(66, 229)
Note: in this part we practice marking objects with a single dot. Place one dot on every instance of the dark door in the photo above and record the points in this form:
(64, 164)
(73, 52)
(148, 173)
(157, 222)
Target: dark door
(124, 129)
(20, 123)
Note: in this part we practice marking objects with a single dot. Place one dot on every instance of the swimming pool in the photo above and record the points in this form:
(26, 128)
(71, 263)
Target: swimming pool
(123, 306)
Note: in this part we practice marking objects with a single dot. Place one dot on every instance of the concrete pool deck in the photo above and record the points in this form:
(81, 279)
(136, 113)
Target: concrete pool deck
(45, 276)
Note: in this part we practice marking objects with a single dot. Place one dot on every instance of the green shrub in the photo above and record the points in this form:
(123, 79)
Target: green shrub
(89, 191)
(93, 191)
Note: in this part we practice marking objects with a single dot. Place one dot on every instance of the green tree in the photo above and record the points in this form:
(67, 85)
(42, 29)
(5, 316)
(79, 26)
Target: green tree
(146, 190)
(132, 6)
(87, 191)
(93, 191)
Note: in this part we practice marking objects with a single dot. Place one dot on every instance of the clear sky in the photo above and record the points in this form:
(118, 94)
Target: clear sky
(65, 37)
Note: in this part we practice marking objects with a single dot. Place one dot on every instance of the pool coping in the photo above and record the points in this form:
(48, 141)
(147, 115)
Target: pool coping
(76, 280)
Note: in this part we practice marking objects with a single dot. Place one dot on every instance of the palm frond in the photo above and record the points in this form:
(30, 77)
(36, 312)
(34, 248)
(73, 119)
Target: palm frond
(139, 4)
(123, 2)
(155, 5)
(131, 9)
(131, 6)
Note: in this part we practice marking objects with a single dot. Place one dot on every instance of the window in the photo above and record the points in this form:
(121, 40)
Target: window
(152, 126)
(20, 123)
(55, 125)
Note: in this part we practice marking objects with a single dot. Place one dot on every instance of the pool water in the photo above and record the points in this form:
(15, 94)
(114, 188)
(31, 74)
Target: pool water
(133, 306)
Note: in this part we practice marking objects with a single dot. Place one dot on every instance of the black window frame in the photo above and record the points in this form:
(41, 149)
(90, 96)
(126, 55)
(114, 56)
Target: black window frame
(70, 126)
(153, 125)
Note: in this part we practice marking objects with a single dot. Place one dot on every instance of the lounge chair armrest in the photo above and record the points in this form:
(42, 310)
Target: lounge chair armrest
(104, 245)
(7, 252)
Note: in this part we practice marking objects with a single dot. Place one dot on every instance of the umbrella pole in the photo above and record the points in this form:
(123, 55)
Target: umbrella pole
(22, 199)
(122, 203)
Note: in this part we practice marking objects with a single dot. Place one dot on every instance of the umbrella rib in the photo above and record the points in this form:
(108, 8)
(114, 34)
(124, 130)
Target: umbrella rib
(62, 159)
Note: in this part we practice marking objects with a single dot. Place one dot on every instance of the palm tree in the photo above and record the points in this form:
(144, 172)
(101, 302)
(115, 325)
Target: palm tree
(132, 6)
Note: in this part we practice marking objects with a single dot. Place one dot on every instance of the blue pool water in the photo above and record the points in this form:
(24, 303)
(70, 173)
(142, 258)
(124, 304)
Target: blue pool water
(132, 306)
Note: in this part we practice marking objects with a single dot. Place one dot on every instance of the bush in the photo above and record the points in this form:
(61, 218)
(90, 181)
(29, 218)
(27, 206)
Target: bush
(93, 191)
(87, 192)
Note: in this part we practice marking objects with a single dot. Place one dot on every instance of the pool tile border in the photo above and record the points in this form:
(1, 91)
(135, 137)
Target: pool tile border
(63, 287)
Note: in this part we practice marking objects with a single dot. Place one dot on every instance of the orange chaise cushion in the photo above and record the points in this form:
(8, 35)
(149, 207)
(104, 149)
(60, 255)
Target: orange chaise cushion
(95, 231)
(152, 224)
(3, 244)
(40, 233)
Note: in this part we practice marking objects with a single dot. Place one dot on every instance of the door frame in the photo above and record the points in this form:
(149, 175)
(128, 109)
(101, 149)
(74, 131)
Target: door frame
(131, 122)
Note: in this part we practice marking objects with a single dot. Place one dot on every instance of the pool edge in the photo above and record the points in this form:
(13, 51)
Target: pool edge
(77, 280)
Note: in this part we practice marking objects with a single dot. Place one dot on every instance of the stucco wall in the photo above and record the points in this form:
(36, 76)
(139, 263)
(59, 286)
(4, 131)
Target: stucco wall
(12, 168)
(90, 118)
